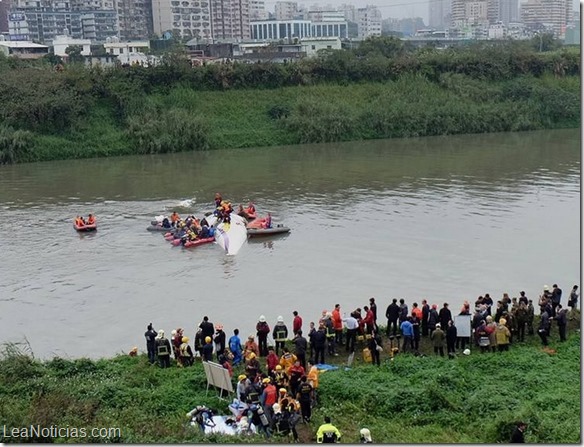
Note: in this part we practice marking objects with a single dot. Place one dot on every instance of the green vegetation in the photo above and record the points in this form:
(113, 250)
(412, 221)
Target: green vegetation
(474, 399)
(383, 89)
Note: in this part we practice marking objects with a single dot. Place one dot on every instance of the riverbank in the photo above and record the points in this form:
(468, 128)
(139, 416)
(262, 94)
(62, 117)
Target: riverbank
(343, 96)
(471, 399)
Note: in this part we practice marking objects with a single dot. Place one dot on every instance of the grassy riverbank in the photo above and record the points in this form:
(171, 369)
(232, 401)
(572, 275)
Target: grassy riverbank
(472, 399)
(341, 96)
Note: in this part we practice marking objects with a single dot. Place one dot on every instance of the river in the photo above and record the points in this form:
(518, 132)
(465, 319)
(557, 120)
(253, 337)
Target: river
(442, 218)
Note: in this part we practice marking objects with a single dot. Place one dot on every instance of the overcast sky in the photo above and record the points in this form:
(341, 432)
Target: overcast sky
(389, 8)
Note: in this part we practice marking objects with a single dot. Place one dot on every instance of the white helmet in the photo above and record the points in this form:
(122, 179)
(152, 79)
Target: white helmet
(466, 351)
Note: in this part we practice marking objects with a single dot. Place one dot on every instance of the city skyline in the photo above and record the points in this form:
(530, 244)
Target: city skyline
(397, 9)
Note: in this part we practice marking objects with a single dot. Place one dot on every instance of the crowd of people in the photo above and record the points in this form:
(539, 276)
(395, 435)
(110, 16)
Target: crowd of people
(279, 380)
(191, 229)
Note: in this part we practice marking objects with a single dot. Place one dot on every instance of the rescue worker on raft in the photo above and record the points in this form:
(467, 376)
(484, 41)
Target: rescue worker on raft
(250, 210)
(79, 221)
(242, 212)
(91, 219)
(218, 199)
(262, 223)
(174, 218)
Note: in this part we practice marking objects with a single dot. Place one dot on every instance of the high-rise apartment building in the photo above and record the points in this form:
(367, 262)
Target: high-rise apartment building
(257, 10)
(369, 22)
(230, 20)
(183, 18)
(286, 10)
(4, 8)
(439, 14)
(349, 11)
(504, 11)
(42, 20)
(547, 16)
(469, 11)
(135, 19)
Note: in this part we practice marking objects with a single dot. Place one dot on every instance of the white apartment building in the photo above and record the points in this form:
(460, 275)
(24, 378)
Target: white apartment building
(185, 18)
(61, 43)
(312, 46)
(368, 22)
(285, 10)
(117, 48)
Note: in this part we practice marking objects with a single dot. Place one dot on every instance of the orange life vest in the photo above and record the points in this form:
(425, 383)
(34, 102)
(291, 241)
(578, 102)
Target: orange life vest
(91, 220)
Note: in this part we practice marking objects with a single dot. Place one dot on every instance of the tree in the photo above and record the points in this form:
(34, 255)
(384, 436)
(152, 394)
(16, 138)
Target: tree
(384, 45)
(53, 59)
(74, 54)
(545, 42)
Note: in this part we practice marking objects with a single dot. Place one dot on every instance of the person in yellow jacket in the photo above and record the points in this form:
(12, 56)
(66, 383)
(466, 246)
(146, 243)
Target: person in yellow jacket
(503, 335)
(327, 433)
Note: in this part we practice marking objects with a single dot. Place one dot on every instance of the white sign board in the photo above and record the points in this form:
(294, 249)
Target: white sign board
(217, 376)
(463, 325)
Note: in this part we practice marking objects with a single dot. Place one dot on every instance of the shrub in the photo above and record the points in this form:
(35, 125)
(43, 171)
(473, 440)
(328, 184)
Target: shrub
(174, 130)
(15, 145)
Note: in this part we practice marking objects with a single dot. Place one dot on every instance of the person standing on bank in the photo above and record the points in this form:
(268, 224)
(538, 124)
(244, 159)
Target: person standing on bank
(262, 331)
(573, 302)
(337, 324)
(392, 314)
(219, 338)
(280, 334)
(544, 327)
(301, 346)
(150, 335)
(207, 328)
(437, 338)
(562, 320)
(375, 347)
(444, 316)
(352, 326)
(424, 319)
(518, 433)
(296, 323)
(163, 349)
(407, 330)
(556, 298)
(451, 335)
(373, 308)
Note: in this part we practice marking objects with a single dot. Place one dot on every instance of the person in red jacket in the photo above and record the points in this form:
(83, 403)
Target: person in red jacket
(269, 396)
(337, 324)
(296, 323)
(369, 320)
(272, 360)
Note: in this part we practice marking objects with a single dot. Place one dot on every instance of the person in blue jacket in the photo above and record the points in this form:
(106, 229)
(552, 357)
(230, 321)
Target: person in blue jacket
(235, 347)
